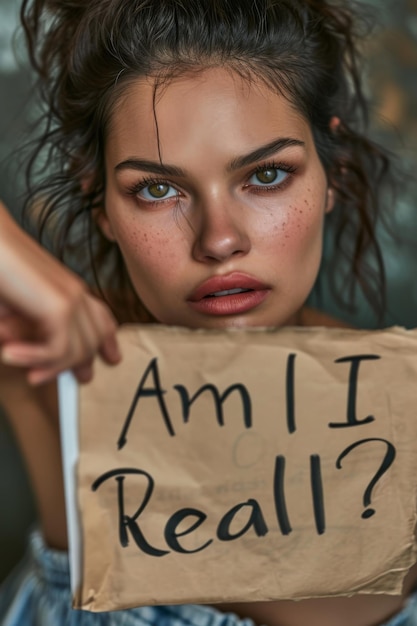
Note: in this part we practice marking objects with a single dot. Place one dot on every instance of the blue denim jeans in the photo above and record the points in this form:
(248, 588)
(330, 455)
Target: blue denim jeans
(38, 594)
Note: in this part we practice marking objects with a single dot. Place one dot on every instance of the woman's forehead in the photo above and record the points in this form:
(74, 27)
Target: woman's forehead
(212, 107)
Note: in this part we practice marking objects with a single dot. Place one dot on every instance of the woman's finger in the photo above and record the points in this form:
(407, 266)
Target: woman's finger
(110, 351)
(84, 373)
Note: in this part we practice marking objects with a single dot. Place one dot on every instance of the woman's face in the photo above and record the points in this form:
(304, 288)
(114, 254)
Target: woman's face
(216, 197)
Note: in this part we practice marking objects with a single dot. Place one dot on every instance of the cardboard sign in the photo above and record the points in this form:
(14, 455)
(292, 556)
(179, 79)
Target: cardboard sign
(247, 465)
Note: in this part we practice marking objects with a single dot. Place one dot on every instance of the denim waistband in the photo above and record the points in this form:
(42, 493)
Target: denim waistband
(52, 592)
(52, 565)
(52, 568)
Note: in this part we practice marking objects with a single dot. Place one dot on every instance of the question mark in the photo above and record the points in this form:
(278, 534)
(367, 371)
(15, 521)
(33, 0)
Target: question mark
(384, 467)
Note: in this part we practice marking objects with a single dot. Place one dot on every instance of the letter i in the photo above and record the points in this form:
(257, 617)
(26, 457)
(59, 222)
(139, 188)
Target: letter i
(290, 393)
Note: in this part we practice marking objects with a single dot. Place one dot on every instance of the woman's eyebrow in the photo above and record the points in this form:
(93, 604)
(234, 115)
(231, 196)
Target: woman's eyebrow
(155, 167)
(264, 151)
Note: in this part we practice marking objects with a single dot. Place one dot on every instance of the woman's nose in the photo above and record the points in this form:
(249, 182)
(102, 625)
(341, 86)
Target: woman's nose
(220, 232)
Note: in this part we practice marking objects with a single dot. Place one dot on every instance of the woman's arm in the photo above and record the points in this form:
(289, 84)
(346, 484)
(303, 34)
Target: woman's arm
(48, 322)
(33, 416)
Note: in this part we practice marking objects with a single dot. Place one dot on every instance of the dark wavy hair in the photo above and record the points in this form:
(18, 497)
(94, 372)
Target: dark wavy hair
(86, 53)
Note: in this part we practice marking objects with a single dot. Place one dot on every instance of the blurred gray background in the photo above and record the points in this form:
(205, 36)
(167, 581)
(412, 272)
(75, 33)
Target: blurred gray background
(392, 76)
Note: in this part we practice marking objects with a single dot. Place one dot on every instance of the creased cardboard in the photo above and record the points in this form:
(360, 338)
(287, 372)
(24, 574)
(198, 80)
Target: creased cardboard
(248, 465)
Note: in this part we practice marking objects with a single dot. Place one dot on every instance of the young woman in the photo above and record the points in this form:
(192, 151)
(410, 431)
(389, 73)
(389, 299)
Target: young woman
(197, 151)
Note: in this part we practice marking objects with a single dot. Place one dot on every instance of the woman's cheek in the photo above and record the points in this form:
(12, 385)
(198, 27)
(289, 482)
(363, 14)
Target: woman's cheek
(298, 225)
(153, 261)
(300, 245)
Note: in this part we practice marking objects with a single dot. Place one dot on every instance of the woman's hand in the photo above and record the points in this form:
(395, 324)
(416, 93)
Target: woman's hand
(49, 321)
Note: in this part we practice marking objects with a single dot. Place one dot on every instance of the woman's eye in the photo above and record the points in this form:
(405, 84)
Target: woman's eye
(268, 176)
(158, 191)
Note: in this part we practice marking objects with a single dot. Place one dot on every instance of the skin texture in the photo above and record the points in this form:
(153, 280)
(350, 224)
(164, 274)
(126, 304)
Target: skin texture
(215, 221)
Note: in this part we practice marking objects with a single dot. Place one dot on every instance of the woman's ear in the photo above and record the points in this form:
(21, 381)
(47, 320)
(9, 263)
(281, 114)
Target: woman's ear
(334, 126)
(329, 200)
(334, 123)
(88, 184)
(102, 220)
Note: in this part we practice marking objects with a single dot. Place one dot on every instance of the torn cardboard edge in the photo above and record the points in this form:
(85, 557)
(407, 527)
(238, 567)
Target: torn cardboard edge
(157, 340)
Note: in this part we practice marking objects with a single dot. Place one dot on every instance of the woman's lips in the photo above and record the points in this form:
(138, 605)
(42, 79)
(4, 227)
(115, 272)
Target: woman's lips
(233, 294)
